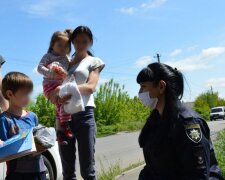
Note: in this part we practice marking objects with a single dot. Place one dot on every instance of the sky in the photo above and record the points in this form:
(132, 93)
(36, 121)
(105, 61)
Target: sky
(188, 34)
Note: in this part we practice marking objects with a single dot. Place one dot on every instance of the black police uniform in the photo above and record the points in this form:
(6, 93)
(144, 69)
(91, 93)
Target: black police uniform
(181, 150)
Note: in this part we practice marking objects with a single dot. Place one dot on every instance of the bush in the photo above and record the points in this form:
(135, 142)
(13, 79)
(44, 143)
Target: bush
(205, 101)
(117, 111)
(44, 110)
(219, 150)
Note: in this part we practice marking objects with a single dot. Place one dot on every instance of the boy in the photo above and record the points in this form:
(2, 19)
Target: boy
(16, 88)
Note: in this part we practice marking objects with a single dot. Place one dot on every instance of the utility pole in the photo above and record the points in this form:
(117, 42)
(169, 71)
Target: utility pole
(158, 57)
(211, 89)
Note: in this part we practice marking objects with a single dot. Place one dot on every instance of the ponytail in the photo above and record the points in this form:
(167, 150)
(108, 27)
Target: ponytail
(69, 32)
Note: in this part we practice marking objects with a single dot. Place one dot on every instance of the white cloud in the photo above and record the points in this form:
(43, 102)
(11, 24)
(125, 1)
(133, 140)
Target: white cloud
(129, 10)
(46, 8)
(199, 61)
(216, 82)
(212, 52)
(175, 52)
(143, 61)
(41, 8)
(151, 4)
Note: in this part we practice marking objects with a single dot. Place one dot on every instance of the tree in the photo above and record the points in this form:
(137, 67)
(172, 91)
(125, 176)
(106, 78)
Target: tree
(205, 101)
(44, 110)
(116, 110)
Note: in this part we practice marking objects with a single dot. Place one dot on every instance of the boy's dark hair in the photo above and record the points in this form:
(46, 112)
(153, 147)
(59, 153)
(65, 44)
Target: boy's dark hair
(14, 81)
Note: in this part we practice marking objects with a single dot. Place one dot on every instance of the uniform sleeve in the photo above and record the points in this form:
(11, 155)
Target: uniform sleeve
(42, 66)
(193, 157)
(4, 128)
(195, 150)
(97, 63)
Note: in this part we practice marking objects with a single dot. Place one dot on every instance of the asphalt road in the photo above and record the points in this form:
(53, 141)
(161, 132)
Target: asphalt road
(123, 148)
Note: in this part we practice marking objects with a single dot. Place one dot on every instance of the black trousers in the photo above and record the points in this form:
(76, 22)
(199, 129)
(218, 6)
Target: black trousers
(26, 176)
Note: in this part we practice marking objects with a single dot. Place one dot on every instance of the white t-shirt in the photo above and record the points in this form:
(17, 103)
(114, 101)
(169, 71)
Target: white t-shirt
(81, 72)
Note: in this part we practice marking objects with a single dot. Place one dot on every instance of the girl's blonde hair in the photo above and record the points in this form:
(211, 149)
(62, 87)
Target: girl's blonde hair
(58, 35)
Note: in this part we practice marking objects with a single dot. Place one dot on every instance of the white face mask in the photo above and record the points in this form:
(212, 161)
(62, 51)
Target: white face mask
(147, 100)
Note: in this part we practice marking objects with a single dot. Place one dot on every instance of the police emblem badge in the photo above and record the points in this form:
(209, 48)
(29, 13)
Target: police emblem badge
(193, 132)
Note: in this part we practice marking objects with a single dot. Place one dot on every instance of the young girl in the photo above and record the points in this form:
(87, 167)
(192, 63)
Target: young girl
(54, 66)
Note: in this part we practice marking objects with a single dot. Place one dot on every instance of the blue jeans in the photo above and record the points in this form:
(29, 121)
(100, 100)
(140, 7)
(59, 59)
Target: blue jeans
(84, 128)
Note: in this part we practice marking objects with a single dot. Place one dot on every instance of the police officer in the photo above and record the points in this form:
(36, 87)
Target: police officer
(175, 140)
(3, 102)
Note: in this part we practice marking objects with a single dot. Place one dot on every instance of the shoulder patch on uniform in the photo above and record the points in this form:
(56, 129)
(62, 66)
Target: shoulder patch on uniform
(193, 132)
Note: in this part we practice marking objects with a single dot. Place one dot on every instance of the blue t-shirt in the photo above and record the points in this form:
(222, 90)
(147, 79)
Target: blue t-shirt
(27, 164)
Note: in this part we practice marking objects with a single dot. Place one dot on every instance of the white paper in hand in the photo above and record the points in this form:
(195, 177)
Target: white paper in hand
(75, 104)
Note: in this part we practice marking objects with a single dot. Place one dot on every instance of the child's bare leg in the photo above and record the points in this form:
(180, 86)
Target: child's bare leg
(65, 122)
(60, 131)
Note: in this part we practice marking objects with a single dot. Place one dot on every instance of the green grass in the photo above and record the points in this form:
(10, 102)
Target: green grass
(220, 150)
(111, 173)
(115, 170)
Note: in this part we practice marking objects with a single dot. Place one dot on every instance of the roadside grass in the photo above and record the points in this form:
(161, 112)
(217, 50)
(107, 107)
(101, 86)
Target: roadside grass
(115, 170)
(220, 150)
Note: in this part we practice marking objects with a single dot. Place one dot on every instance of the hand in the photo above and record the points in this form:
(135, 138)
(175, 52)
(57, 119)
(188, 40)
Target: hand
(59, 72)
(64, 99)
(1, 142)
(40, 148)
(59, 76)
(56, 72)
(55, 99)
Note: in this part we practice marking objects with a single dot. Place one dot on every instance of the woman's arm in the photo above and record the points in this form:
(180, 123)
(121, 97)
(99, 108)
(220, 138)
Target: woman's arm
(91, 84)
(84, 89)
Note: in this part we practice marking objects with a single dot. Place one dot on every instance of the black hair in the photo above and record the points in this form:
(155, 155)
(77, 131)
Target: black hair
(156, 72)
(82, 30)
(173, 78)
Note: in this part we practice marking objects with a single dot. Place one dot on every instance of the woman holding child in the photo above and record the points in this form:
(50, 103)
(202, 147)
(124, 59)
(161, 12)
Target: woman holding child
(86, 69)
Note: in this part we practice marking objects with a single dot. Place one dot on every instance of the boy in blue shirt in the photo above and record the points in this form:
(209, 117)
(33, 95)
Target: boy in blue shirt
(16, 88)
